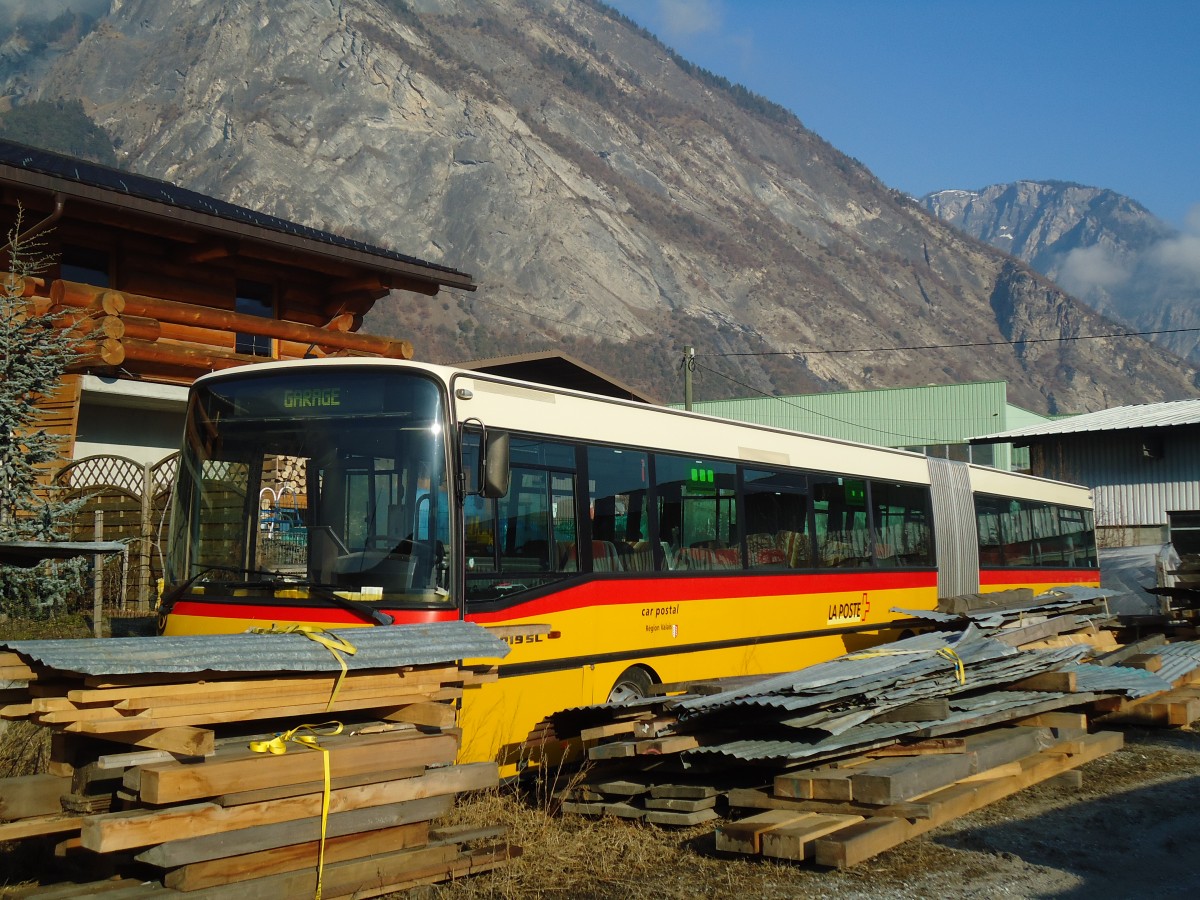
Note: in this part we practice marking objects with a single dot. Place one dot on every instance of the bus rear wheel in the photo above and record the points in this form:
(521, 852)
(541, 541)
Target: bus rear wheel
(632, 684)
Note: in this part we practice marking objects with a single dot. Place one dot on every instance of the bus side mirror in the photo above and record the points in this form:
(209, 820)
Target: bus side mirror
(495, 465)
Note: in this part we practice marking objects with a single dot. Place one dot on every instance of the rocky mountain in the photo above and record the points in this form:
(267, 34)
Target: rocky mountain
(1101, 246)
(612, 199)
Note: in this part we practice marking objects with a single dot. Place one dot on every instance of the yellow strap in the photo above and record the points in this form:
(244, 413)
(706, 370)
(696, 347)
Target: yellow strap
(960, 670)
(335, 644)
(278, 745)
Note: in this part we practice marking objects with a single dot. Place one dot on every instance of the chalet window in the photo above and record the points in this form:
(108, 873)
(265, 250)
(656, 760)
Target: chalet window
(84, 265)
(255, 299)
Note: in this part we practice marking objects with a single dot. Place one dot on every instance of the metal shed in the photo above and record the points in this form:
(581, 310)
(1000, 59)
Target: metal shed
(1142, 461)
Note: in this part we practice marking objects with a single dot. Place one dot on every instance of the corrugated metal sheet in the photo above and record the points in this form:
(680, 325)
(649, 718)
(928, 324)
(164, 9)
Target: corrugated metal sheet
(1120, 418)
(1178, 660)
(383, 647)
(1117, 680)
(862, 738)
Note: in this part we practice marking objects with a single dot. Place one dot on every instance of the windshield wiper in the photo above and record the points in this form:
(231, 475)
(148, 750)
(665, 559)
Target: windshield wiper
(325, 592)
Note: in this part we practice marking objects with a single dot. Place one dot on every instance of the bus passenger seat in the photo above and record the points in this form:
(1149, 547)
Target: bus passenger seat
(568, 560)
(604, 557)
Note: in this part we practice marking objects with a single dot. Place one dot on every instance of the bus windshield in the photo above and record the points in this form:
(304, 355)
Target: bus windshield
(325, 477)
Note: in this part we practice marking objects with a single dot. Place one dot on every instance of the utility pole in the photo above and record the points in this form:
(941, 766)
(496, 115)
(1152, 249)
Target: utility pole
(689, 364)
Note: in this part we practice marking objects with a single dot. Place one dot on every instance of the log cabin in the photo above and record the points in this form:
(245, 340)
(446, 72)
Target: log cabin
(170, 284)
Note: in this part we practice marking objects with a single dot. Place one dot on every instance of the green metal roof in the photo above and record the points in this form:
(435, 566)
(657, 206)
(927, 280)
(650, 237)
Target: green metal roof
(890, 417)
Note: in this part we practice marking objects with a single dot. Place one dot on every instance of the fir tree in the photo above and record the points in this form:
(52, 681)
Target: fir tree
(34, 355)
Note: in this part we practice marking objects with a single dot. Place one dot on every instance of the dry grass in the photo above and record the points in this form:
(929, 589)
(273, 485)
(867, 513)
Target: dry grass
(566, 855)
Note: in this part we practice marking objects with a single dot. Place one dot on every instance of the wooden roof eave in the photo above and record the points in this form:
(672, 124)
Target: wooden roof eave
(405, 275)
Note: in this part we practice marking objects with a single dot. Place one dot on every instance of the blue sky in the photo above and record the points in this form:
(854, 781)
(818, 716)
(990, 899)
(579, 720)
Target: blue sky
(933, 94)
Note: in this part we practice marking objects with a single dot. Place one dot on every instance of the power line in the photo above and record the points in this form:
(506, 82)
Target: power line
(912, 437)
(1080, 337)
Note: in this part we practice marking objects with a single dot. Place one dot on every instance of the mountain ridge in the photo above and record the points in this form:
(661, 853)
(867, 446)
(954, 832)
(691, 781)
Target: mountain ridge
(1105, 248)
(608, 200)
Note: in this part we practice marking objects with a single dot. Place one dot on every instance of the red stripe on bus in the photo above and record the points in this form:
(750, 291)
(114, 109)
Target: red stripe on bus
(613, 592)
(287, 613)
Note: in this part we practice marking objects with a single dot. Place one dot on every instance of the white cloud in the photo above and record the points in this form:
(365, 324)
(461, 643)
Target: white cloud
(684, 19)
(1178, 257)
(1087, 269)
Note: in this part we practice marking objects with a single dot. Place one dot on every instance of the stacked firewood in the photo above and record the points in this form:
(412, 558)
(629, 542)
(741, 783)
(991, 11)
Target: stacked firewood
(236, 782)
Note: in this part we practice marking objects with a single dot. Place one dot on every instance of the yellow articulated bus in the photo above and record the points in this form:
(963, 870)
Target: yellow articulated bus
(620, 545)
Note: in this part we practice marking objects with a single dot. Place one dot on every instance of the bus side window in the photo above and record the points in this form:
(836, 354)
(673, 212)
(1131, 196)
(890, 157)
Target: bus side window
(903, 536)
(776, 523)
(842, 530)
(697, 512)
(618, 504)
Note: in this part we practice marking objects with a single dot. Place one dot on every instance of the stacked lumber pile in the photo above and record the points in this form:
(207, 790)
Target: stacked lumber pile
(227, 780)
(845, 759)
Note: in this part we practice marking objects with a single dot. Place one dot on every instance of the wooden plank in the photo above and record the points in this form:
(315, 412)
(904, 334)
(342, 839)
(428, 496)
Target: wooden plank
(38, 826)
(921, 748)
(893, 781)
(611, 729)
(1060, 682)
(873, 836)
(798, 841)
(183, 740)
(166, 718)
(1003, 745)
(745, 835)
(751, 798)
(269, 837)
(931, 709)
(617, 750)
(316, 685)
(683, 791)
(672, 744)
(1164, 710)
(175, 782)
(141, 828)
(186, 702)
(1150, 662)
(680, 819)
(620, 810)
(244, 867)
(433, 715)
(680, 805)
(859, 842)
(815, 784)
(241, 798)
(1056, 720)
(1142, 645)
(1019, 635)
(32, 795)
(340, 878)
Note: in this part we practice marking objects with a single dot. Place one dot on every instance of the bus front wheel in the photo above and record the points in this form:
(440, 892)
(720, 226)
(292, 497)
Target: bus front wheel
(632, 684)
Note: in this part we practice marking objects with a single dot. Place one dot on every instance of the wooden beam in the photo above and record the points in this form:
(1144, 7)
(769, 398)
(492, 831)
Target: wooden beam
(268, 837)
(173, 783)
(141, 828)
(32, 795)
(68, 293)
(207, 251)
(262, 863)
